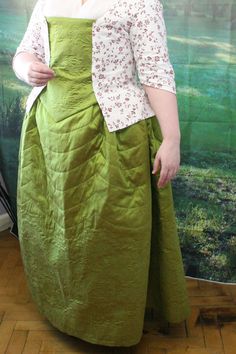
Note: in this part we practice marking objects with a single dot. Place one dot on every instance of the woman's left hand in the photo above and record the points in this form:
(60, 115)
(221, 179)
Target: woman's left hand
(168, 159)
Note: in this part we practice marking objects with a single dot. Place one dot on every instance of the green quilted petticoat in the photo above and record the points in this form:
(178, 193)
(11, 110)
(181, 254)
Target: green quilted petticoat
(98, 239)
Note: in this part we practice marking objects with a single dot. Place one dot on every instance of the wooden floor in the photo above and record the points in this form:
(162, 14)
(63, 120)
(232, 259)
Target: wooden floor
(211, 327)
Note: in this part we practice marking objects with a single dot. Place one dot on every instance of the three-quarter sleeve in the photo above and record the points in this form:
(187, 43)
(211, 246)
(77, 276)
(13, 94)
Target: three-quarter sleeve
(148, 38)
(32, 41)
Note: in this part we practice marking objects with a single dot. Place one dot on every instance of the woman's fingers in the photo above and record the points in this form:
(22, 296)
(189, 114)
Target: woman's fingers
(39, 73)
(156, 164)
(163, 177)
(41, 68)
(167, 173)
(38, 82)
(168, 158)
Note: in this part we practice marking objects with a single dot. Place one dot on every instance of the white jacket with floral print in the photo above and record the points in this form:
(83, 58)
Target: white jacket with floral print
(129, 49)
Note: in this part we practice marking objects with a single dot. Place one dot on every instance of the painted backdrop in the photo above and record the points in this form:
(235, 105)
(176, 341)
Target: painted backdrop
(202, 48)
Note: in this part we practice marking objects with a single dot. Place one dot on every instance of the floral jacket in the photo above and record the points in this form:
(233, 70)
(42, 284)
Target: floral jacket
(129, 49)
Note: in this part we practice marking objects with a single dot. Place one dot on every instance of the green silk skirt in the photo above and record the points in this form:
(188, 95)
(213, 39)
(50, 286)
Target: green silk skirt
(98, 239)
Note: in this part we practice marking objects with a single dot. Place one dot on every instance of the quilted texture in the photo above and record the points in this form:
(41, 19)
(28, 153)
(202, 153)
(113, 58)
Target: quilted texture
(98, 239)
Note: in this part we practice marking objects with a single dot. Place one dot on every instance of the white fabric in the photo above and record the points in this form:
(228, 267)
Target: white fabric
(75, 8)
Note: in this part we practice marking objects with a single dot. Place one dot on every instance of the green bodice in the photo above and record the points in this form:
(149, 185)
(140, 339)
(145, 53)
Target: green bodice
(71, 89)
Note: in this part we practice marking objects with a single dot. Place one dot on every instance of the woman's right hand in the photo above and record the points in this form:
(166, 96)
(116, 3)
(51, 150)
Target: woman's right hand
(31, 70)
(38, 73)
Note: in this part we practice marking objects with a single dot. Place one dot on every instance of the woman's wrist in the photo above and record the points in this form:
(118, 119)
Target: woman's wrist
(175, 138)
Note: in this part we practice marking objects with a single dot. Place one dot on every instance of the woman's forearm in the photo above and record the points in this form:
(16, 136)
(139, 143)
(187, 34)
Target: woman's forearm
(164, 104)
(20, 64)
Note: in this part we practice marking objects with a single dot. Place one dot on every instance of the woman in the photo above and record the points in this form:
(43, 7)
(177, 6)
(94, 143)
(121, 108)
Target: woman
(96, 219)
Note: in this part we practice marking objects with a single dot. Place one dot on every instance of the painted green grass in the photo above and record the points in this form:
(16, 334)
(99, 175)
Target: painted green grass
(12, 27)
(12, 85)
